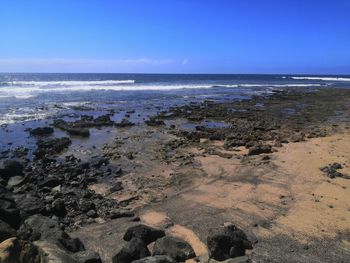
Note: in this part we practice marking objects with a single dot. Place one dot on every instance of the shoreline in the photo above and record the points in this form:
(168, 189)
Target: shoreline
(253, 163)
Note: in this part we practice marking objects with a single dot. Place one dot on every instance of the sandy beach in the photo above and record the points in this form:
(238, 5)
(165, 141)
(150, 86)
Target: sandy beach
(276, 167)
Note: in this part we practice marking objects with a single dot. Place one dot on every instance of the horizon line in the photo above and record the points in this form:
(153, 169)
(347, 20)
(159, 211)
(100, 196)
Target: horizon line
(138, 73)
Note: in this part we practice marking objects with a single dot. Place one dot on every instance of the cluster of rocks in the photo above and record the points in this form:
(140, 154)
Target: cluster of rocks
(50, 147)
(223, 243)
(59, 188)
(331, 171)
(81, 127)
(259, 123)
(38, 200)
(40, 239)
(154, 121)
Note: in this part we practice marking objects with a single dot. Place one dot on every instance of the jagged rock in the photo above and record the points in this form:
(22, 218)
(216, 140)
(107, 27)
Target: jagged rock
(10, 250)
(41, 227)
(6, 231)
(51, 253)
(16, 181)
(145, 233)
(9, 168)
(154, 122)
(116, 187)
(58, 207)
(124, 123)
(29, 205)
(118, 213)
(98, 161)
(41, 131)
(50, 181)
(156, 259)
(242, 259)
(227, 242)
(87, 256)
(332, 171)
(51, 147)
(71, 128)
(38, 227)
(9, 212)
(173, 247)
(72, 244)
(259, 149)
(133, 250)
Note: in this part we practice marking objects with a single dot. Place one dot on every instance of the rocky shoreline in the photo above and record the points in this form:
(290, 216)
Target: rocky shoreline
(52, 199)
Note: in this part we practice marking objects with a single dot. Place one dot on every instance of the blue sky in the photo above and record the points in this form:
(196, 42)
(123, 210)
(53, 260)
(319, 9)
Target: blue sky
(179, 36)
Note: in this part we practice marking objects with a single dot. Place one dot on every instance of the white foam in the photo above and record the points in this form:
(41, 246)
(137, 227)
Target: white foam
(321, 78)
(69, 83)
(29, 89)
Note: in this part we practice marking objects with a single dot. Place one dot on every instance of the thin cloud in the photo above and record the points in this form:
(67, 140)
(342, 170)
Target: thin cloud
(82, 61)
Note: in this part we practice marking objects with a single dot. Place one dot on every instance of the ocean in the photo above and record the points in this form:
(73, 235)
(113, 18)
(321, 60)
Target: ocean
(27, 97)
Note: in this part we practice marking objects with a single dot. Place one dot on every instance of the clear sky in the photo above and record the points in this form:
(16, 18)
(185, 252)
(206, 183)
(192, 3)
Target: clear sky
(175, 36)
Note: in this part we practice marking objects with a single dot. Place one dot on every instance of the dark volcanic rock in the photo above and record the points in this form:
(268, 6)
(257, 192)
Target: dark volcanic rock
(51, 147)
(80, 127)
(98, 161)
(29, 205)
(41, 131)
(259, 149)
(51, 181)
(9, 212)
(153, 121)
(38, 227)
(227, 242)
(124, 123)
(118, 213)
(9, 168)
(71, 128)
(145, 233)
(156, 259)
(87, 256)
(16, 181)
(133, 250)
(72, 244)
(58, 207)
(173, 247)
(6, 231)
(332, 171)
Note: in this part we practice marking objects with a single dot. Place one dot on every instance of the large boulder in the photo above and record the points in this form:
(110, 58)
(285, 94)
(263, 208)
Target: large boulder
(13, 250)
(87, 256)
(156, 259)
(259, 149)
(6, 231)
(133, 250)
(227, 242)
(143, 232)
(173, 247)
(41, 131)
(10, 250)
(16, 181)
(9, 212)
(29, 205)
(51, 147)
(9, 168)
(38, 227)
(51, 253)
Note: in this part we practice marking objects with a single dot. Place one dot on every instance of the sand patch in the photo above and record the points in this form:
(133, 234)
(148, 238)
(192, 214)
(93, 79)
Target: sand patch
(189, 236)
(322, 204)
(155, 219)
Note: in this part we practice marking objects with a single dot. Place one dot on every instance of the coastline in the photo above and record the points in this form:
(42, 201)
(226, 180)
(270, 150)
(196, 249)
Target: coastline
(253, 163)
